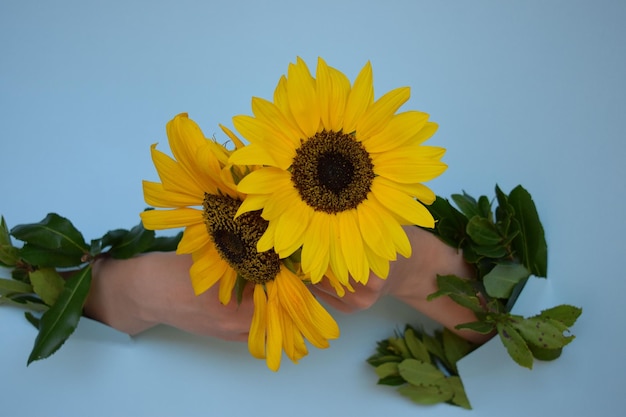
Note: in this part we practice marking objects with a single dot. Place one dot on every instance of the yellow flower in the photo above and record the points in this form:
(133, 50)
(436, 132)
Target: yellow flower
(341, 172)
(223, 247)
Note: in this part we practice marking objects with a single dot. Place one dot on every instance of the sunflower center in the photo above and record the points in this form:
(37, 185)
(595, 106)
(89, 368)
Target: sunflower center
(332, 172)
(236, 239)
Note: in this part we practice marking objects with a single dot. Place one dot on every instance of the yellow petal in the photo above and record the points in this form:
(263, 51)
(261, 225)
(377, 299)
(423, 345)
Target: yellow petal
(315, 253)
(185, 138)
(337, 260)
(256, 337)
(281, 100)
(292, 225)
(269, 113)
(252, 203)
(378, 264)
(169, 219)
(173, 176)
(252, 155)
(405, 208)
(407, 165)
(265, 181)
(194, 237)
(373, 226)
(260, 133)
(206, 270)
(419, 191)
(238, 143)
(156, 196)
(361, 97)
(274, 331)
(379, 114)
(396, 232)
(340, 94)
(352, 245)
(227, 284)
(400, 130)
(302, 98)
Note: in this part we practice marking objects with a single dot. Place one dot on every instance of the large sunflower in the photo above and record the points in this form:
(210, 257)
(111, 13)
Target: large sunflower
(341, 172)
(200, 188)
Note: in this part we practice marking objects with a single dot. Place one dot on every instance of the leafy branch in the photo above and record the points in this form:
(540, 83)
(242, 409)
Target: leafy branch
(506, 246)
(51, 272)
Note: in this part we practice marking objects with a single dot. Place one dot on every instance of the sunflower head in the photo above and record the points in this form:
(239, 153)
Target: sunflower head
(339, 172)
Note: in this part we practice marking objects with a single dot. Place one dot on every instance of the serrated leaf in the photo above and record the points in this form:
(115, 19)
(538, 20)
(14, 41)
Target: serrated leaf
(392, 380)
(379, 359)
(427, 394)
(386, 369)
(542, 332)
(53, 232)
(136, 241)
(416, 347)
(47, 284)
(530, 244)
(459, 396)
(515, 345)
(60, 321)
(418, 372)
(398, 346)
(483, 231)
(563, 313)
(501, 280)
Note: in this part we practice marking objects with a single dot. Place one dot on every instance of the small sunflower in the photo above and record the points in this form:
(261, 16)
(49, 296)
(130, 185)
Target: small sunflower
(199, 186)
(341, 172)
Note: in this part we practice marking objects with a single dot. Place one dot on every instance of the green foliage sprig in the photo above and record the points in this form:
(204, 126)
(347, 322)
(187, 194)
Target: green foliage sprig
(50, 273)
(505, 246)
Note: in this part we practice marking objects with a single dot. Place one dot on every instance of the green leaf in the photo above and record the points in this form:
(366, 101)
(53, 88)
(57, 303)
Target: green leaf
(459, 290)
(44, 257)
(427, 394)
(30, 317)
(416, 347)
(455, 347)
(542, 332)
(392, 380)
(136, 241)
(459, 396)
(60, 321)
(483, 231)
(466, 203)
(434, 345)
(8, 286)
(47, 284)
(482, 327)
(398, 345)
(387, 369)
(165, 243)
(451, 223)
(484, 208)
(379, 359)
(53, 232)
(544, 354)
(563, 313)
(501, 280)
(530, 244)
(417, 372)
(515, 345)
(8, 253)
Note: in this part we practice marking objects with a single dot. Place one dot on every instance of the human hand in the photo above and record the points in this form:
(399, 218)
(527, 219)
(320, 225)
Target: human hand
(136, 294)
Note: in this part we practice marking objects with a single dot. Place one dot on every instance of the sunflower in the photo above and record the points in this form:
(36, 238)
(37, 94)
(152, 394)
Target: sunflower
(341, 172)
(199, 187)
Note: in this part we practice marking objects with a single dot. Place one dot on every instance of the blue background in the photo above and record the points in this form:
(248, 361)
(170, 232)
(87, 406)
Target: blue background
(529, 93)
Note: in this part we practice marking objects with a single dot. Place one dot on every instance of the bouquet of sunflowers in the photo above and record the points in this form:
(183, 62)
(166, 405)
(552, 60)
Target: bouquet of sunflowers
(318, 187)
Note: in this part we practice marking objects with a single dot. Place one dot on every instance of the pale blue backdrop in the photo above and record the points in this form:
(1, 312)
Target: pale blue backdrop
(529, 92)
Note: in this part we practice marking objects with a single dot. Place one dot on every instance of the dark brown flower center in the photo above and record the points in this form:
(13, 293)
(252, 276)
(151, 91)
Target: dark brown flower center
(236, 239)
(332, 172)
